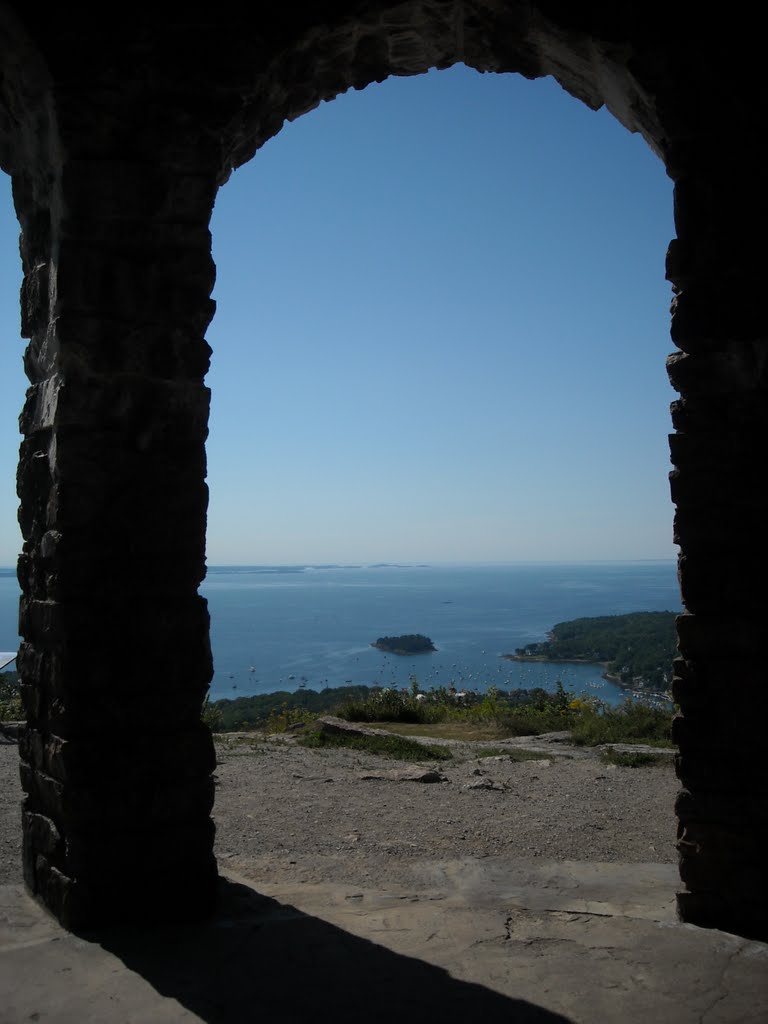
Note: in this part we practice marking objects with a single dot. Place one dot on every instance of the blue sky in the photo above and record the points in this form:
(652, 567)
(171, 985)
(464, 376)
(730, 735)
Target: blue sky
(441, 331)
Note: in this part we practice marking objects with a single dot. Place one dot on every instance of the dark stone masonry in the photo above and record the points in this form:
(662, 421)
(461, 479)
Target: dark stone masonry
(117, 141)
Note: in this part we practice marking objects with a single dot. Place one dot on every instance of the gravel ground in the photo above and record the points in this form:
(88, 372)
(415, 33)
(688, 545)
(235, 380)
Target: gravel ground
(283, 811)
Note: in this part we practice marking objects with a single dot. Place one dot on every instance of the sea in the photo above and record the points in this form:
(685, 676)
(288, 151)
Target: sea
(286, 627)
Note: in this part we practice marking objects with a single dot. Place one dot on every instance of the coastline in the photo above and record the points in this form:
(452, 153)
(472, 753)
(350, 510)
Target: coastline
(631, 687)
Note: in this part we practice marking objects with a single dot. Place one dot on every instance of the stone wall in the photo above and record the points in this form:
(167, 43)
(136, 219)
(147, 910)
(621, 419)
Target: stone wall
(721, 423)
(116, 145)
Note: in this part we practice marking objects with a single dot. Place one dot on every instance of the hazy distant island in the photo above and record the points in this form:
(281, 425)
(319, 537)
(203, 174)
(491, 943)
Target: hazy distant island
(409, 643)
(636, 650)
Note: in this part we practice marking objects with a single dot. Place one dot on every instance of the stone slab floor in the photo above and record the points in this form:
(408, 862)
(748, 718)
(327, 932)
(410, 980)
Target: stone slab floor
(471, 940)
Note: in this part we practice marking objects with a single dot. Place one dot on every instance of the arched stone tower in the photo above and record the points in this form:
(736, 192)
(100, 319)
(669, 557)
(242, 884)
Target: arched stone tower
(117, 142)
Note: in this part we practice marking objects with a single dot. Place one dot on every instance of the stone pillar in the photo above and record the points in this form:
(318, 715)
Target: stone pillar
(719, 452)
(116, 765)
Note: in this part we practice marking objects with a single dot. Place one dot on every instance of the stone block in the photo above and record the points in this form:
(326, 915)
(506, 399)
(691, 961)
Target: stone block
(698, 688)
(707, 317)
(737, 421)
(93, 856)
(739, 529)
(702, 637)
(34, 299)
(44, 795)
(41, 833)
(703, 771)
(171, 286)
(144, 898)
(730, 487)
(740, 368)
(146, 805)
(124, 760)
(719, 727)
(99, 344)
(725, 582)
(106, 191)
(143, 708)
(725, 810)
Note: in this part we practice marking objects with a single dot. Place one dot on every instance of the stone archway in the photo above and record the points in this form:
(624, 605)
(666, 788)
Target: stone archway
(116, 147)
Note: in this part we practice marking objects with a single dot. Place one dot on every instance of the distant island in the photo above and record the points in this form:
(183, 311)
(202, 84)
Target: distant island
(636, 650)
(409, 643)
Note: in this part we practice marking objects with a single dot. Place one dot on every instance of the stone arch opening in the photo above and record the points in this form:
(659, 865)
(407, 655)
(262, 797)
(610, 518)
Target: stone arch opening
(505, 244)
(116, 148)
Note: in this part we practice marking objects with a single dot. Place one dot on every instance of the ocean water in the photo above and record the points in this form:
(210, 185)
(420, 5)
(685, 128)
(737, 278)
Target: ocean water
(281, 627)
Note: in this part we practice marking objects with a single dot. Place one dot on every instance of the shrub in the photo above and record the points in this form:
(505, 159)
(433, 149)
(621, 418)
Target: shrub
(11, 709)
(630, 722)
(410, 705)
(283, 718)
(210, 715)
(515, 713)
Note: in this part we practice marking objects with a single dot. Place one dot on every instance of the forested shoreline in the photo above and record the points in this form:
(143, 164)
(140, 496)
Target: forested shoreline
(636, 649)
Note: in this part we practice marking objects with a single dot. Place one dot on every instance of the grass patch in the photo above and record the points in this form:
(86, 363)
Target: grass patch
(634, 759)
(531, 721)
(496, 716)
(398, 747)
(453, 730)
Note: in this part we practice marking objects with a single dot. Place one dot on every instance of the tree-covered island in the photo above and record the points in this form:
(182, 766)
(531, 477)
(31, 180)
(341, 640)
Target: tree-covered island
(636, 650)
(409, 643)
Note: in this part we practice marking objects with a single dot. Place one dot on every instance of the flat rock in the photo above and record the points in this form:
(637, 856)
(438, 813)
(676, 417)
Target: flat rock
(467, 939)
(333, 726)
(410, 774)
(637, 748)
(499, 787)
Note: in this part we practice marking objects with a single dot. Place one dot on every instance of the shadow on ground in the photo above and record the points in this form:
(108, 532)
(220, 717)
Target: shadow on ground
(261, 960)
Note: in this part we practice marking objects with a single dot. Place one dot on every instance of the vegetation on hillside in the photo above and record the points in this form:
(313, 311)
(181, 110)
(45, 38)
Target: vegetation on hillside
(256, 711)
(496, 714)
(519, 713)
(636, 649)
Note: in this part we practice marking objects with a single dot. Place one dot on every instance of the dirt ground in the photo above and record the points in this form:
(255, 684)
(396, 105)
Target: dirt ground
(283, 811)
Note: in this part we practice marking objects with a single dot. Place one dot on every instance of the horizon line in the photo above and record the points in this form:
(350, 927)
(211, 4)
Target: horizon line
(418, 564)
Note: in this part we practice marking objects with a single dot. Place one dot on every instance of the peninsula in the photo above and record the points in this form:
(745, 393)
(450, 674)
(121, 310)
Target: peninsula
(636, 650)
(409, 643)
